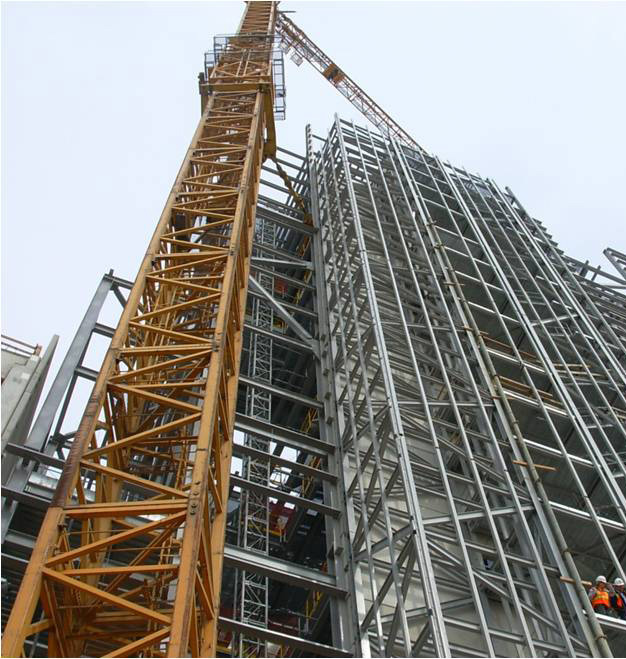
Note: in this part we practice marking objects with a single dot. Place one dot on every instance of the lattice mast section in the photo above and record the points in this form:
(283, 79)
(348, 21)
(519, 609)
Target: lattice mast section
(255, 505)
(129, 556)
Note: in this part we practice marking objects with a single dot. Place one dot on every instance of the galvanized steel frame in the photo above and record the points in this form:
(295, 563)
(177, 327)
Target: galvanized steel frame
(457, 328)
(300, 447)
(49, 435)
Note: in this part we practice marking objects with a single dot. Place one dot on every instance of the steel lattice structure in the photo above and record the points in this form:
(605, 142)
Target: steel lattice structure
(482, 385)
(295, 42)
(255, 523)
(427, 430)
(156, 437)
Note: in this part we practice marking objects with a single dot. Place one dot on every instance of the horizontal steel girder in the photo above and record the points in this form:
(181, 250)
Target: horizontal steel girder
(280, 570)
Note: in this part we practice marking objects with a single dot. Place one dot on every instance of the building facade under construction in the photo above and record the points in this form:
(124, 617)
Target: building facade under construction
(427, 444)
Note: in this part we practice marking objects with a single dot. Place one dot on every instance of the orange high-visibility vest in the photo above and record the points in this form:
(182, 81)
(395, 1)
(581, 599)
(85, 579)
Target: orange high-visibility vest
(601, 597)
(619, 599)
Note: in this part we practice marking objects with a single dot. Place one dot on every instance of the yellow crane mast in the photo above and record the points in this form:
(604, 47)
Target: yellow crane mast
(129, 556)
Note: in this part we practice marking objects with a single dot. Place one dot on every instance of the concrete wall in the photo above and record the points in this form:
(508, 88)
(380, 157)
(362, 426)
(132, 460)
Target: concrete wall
(23, 377)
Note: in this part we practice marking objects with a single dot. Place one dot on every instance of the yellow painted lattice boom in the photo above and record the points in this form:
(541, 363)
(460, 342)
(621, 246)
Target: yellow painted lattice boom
(129, 556)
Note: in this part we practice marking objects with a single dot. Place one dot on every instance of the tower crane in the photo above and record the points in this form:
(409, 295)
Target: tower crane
(143, 495)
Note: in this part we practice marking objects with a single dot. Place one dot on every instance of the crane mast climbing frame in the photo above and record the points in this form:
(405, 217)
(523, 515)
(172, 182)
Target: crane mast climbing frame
(147, 477)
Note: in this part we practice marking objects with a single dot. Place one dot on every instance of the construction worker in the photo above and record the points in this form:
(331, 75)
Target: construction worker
(599, 596)
(618, 598)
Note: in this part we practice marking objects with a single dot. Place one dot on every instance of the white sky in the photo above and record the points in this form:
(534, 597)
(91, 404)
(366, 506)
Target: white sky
(99, 102)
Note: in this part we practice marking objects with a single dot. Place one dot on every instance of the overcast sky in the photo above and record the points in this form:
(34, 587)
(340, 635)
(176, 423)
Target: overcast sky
(100, 99)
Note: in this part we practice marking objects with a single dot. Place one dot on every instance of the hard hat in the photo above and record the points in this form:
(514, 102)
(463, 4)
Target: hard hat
(618, 582)
(601, 579)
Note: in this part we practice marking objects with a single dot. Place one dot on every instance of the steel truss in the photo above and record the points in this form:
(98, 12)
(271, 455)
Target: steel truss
(300, 47)
(255, 522)
(144, 491)
(481, 389)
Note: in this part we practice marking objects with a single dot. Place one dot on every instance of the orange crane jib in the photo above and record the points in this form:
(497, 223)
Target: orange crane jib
(294, 40)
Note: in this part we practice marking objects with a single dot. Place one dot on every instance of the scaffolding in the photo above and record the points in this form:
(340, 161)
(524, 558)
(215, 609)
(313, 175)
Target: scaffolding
(255, 518)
